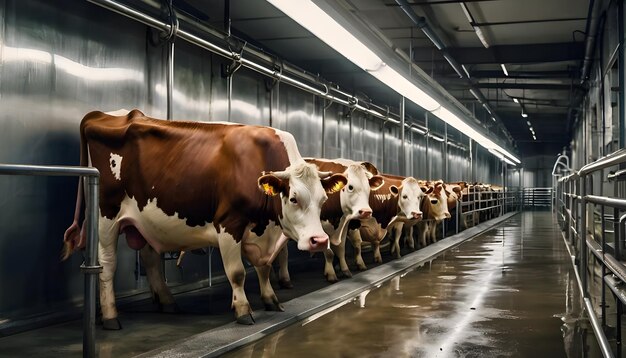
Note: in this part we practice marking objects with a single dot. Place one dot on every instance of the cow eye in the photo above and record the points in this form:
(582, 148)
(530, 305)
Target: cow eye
(293, 200)
(350, 188)
(434, 201)
(404, 197)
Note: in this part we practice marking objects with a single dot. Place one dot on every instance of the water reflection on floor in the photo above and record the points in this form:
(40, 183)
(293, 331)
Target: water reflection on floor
(510, 292)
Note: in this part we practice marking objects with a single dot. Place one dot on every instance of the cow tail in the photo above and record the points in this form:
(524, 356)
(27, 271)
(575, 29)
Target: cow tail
(74, 236)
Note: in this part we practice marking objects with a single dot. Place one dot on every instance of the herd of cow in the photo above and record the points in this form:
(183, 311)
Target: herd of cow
(180, 186)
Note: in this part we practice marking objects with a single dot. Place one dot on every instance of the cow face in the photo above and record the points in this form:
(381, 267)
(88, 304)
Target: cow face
(437, 200)
(410, 198)
(303, 190)
(355, 194)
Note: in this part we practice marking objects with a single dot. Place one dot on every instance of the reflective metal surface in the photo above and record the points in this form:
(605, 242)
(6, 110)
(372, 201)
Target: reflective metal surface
(508, 293)
(60, 60)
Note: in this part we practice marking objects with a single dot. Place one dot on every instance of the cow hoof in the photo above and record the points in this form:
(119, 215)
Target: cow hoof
(112, 324)
(378, 260)
(332, 278)
(347, 273)
(246, 319)
(170, 308)
(362, 267)
(285, 284)
(274, 306)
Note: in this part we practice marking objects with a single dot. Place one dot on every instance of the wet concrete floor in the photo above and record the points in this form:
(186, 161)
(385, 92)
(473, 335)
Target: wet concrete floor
(510, 292)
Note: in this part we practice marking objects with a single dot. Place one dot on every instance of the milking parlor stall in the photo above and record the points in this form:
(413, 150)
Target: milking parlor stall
(312, 178)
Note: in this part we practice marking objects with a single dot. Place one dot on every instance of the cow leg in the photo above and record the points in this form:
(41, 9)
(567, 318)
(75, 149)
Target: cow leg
(421, 232)
(433, 232)
(268, 296)
(408, 237)
(329, 270)
(236, 273)
(107, 256)
(284, 280)
(378, 258)
(151, 260)
(395, 249)
(340, 252)
(355, 239)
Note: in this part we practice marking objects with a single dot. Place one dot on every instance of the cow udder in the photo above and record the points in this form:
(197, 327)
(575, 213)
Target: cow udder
(134, 239)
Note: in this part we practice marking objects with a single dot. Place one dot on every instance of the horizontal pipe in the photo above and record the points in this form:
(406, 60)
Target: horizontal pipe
(617, 287)
(619, 175)
(47, 170)
(614, 158)
(603, 200)
(603, 342)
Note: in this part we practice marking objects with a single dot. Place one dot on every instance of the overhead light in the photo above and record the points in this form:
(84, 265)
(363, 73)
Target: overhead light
(493, 119)
(534, 137)
(477, 29)
(524, 114)
(508, 161)
(528, 122)
(475, 94)
(323, 26)
(487, 108)
(515, 100)
(506, 73)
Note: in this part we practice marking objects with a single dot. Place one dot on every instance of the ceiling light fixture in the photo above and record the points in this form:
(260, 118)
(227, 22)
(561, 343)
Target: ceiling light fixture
(515, 100)
(506, 73)
(322, 25)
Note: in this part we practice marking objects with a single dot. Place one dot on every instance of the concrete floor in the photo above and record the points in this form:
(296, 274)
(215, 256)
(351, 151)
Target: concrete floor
(508, 292)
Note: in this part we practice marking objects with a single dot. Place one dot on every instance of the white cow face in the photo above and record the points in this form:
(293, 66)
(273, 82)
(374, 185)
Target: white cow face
(303, 190)
(410, 197)
(355, 194)
(438, 203)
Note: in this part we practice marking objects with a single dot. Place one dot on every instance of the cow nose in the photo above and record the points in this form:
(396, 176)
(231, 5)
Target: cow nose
(318, 243)
(416, 214)
(448, 216)
(365, 213)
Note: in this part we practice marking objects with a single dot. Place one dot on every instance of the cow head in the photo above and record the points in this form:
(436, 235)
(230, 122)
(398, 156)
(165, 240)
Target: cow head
(410, 198)
(355, 194)
(302, 189)
(437, 202)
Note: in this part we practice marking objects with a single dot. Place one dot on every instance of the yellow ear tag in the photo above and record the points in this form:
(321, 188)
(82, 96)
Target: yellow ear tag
(338, 185)
(268, 189)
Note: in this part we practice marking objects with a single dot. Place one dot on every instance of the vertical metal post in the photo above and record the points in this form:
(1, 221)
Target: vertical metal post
(471, 162)
(383, 130)
(459, 207)
(618, 327)
(582, 233)
(324, 128)
(616, 226)
(229, 93)
(622, 78)
(445, 152)
(90, 268)
(402, 138)
(350, 131)
(227, 16)
(428, 172)
(170, 81)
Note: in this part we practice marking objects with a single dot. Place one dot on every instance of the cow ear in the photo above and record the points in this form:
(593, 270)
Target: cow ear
(394, 190)
(370, 168)
(335, 183)
(270, 184)
(457, 189)
(429, 190)
(376, 182)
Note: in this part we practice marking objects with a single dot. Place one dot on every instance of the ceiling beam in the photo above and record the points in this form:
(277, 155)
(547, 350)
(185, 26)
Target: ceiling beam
(521, 74)
(527, 53)
(529, 86)
(498, 23)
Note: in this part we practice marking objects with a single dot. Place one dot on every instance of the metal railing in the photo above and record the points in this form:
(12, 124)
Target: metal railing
(481, 205)
(574, 195)
(90, 266)
(537, 198)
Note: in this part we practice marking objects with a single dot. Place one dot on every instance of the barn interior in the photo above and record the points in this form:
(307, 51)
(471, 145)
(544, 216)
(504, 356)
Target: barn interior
(523, 96)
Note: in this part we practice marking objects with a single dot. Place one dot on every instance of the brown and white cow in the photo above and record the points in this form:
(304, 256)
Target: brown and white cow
(172, 186)
(351, 203)
(435, 209)
(396, 203)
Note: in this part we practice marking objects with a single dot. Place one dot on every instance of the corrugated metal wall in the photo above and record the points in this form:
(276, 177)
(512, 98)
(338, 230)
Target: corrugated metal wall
(61, 59)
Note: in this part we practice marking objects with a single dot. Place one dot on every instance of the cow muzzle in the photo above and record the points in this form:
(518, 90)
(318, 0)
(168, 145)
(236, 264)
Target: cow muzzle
(318, 243)
(416, 215)
(448, 216)
(365, 213)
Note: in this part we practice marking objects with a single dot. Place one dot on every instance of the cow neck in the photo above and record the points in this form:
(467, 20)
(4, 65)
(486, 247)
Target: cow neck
(384, 204)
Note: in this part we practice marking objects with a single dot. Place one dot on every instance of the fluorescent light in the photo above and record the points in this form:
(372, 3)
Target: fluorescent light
(493, 119)
(499, 155)
(515, 100)
(524, 114)
(327, 29)
(506, 73)
(528, 122)
(508, 161)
